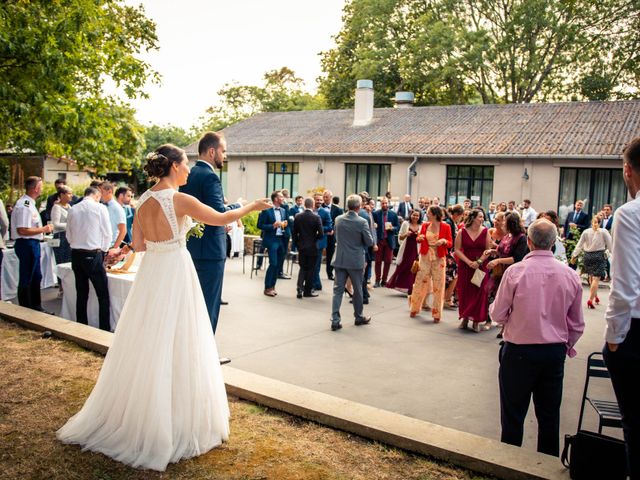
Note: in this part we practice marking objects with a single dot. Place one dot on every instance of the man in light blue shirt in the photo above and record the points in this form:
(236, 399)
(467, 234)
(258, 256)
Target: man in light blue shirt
(116, 214)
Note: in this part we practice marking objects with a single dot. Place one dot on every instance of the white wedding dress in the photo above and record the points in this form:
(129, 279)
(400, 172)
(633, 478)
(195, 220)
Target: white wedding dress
(160, 396)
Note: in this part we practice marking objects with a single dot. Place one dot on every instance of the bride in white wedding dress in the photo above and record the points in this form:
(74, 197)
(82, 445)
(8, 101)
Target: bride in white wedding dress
(160, 396)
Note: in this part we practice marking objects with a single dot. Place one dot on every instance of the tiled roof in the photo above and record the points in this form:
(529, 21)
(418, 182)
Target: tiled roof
(586, 129)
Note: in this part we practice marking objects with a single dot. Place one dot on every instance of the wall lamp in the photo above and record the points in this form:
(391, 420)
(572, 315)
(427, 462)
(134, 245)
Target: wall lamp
(319, 168)
(525, 175)
(243, 166)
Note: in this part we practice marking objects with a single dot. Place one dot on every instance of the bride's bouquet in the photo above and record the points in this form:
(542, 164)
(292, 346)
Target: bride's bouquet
(197, 230)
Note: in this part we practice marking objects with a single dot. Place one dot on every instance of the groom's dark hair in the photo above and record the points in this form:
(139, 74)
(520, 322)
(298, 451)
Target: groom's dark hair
(209, 140)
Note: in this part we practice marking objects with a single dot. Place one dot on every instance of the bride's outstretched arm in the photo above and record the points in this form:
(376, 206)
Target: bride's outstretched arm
(188, 205)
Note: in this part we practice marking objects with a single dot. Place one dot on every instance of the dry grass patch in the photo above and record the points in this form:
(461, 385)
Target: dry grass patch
(44, 382)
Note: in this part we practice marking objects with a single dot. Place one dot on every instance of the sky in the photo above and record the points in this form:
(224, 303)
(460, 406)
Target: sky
(205, 44)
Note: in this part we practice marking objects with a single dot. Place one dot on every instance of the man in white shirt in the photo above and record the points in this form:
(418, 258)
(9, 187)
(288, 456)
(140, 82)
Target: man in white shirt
(27, 231)
(622, 350)
(528, 213)
(89, 234)
(116, 214)
(405, 208)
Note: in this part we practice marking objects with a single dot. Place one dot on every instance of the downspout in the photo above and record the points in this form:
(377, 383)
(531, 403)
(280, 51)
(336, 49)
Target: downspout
(410, 169)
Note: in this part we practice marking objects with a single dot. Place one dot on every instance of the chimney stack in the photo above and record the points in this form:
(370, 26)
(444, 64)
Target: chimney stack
(363, 111)
(404, 100)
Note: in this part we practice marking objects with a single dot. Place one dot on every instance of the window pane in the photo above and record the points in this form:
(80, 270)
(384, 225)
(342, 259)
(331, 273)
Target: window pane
(294, 185)
(464, 172)
(350, 179)
(361, 179)
(600, 189)
(487, 193)
(583, 184)
(567, 192)
(463, 190)
(269, 184)
(375, 186)
(488, 173)
(385, 175)
(476, 193)
(452, 171)
(477, 172)
(451, 194)
(618, 194)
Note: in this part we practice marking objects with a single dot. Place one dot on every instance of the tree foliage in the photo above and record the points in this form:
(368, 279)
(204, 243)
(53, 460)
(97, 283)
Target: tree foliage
(490, 51)
(55, 57)
(282, 91)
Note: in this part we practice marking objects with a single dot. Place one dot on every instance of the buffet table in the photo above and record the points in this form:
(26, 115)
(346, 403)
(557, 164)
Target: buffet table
(11, 272)
(119, 286)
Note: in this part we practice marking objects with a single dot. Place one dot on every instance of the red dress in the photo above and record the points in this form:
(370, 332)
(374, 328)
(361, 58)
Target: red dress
(473, 302)
(403, 278)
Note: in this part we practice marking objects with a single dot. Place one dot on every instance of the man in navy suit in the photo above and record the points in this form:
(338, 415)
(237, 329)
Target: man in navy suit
(607, 217)
(276, 231)
(298, 207)
(209, 252)
(576, 219)
(334, 212)
(307, 230)
(387, 227)
(327, 228)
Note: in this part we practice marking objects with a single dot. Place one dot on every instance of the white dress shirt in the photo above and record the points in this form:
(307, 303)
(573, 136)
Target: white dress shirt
(59, 217)
(593, 241)
(88, 226)
(624, 299)
(25, 215)
(529, 216)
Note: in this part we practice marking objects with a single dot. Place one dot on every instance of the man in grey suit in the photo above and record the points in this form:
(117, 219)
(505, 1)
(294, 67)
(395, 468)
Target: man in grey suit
(353, 237)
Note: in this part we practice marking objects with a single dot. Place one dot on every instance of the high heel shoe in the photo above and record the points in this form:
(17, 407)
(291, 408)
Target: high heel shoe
(597, 301)
(590, 305)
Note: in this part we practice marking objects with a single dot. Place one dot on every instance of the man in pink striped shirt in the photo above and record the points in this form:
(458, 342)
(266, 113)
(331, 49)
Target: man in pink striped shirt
(538, 303)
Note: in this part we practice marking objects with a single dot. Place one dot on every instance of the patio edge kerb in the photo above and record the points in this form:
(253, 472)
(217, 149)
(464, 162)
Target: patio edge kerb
(470, 451)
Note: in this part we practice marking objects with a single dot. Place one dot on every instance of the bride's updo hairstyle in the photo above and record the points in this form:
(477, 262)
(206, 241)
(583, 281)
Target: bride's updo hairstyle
(159, 161)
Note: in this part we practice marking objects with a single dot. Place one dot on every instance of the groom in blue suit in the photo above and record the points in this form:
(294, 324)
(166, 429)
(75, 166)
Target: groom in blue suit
(209, 252)
(276, 231)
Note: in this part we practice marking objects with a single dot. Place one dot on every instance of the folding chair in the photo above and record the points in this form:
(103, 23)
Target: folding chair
(292, 257)
(607, 410)
(256, 253)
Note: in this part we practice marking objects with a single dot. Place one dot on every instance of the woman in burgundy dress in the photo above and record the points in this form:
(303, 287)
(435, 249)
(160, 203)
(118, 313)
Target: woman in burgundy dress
(403, 279)
(471, 243)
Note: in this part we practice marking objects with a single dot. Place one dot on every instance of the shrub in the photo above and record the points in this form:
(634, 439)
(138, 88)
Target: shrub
(250, 223)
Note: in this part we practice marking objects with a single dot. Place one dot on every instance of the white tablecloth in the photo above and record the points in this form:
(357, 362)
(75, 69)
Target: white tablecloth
(119, 286)
(11, 272)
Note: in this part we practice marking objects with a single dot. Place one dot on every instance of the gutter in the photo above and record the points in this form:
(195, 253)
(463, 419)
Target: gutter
(410, 169)
(445, 156)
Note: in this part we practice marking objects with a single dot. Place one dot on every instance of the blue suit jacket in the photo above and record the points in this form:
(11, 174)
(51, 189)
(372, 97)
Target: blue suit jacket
(392, 235)
(204, 184)
(581, 219)
(327, 226)
(266, 219)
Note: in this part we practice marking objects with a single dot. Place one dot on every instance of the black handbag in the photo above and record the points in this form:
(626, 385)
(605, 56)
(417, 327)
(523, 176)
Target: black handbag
(590, 455)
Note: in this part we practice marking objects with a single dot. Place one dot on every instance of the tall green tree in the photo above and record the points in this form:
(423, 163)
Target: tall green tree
(55, 57)
(282, 91)
(491, 51)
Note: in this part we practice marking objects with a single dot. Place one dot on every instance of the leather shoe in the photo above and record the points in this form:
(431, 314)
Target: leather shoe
(312, 295)
(331, 277)
(299, 294)
(377, 284)
(365, 301)
(335, 326)
(284, 277)
(270, 292)
(224, 360)
(362, 321)
(222, 302)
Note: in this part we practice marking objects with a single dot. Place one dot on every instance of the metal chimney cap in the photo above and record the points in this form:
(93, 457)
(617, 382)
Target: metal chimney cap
(364, 84)
(405, 97)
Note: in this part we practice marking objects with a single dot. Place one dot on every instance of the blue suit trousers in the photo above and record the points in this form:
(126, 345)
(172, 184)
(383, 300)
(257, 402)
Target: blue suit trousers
(210, 274)
(277, 252)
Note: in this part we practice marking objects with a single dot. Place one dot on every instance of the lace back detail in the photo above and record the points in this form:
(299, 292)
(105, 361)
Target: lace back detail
(165, 200)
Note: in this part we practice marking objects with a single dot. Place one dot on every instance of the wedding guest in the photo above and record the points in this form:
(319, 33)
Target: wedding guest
(116, 214)
(434, 239)
(622, 348)
(327, 228)
(471, 243)
(386, 231)
(123, 197)
(594, 241)
(4, 230)
(403, 278)
(558, 249)
(352, 238)
(607, 216)
(53, 198)
(366, 212)
(576, 219)
(511, 249)
(295, 209)
(59, 212)
(27, 231)
(539, 332)
(491, 213)
(454, 219)
(273, 223)
(528, 213)
(499, 229)
(405, 208)
(307, 230)
(502, 207)
(90, 237)
(334, 212)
